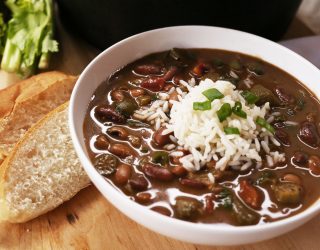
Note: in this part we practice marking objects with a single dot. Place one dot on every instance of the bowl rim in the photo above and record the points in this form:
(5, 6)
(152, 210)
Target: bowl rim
(97, 178)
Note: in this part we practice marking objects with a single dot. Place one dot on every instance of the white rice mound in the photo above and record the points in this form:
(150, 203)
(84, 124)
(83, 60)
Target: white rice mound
(202, 134)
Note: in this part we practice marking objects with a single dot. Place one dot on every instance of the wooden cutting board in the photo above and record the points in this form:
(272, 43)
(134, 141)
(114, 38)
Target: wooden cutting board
(88, 221)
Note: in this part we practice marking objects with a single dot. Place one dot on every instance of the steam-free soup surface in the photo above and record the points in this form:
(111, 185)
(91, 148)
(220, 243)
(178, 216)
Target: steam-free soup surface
(132, 151)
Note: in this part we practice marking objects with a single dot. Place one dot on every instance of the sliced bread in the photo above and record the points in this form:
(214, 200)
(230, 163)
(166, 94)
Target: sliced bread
(24, 103)
(42, 171)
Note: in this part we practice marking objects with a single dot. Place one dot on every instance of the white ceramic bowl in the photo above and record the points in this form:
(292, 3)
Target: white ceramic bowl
(143, 44)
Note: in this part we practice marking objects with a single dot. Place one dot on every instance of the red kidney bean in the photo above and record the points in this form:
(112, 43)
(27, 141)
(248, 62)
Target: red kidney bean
(117, 95)
(208, 207)
(121, 150)
(137, 92)
(300, 158)
(314, 164)
(308, 134)
(154, 84)
(105, 113)
(148, 69)
(211, 164)
(292, 178)
(119, 132)
(223, 175)
(170, 73)
(157, 172)
(283, 96)
(283, 137)
(173, 97)
(102, 142)
(138, 183)
(176, 79)
(200, 69)
(250, 195)
(176, 159)
(161, 210)
(123, 174)
(143, 197)
(216, 190)
(193, 183)
(144, 100)
(179, 171)
(161, 139)
(167, 87)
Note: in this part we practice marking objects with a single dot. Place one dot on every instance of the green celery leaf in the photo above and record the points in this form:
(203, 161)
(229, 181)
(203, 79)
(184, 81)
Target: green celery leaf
(29, 36)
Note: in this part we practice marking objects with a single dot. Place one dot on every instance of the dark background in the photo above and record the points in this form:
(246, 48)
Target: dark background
(104, 22)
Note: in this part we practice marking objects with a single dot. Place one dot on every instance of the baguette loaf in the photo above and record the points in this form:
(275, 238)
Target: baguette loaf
(26, 102)
(42, 171)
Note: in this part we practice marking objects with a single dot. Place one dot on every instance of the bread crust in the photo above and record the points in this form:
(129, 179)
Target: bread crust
(28, 95)
(5, 213)
(25, 89)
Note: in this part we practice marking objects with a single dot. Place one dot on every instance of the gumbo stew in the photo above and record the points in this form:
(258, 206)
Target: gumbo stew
(207, 136)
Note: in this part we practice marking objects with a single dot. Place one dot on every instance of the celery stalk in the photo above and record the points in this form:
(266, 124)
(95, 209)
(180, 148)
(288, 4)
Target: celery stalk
(29, 36)
(11, 58)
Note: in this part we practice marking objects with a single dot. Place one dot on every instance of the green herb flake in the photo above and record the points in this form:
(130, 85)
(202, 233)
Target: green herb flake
(218, 62)
(249, 97)
(237, 110)
(154, 97)
(226, 199)
(137, 124)
(266, 177)
(202, 105)
(160, 157)
(144, 150)
(236, 65)
(212, 94)
(224, 112)
(280, 118)
(231, 131)
(263, 123)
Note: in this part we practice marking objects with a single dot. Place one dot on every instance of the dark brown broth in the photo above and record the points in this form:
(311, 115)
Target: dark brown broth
(164, 193)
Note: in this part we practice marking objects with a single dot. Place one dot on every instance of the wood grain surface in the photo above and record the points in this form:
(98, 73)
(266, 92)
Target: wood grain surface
(88, 221)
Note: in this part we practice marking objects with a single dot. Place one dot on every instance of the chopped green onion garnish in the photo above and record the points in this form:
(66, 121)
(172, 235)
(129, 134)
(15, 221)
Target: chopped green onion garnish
(202, 105)
(263, 123)
(224, 112)
(237, 110)
(249, 97)
(212, 94)
(231, 131)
